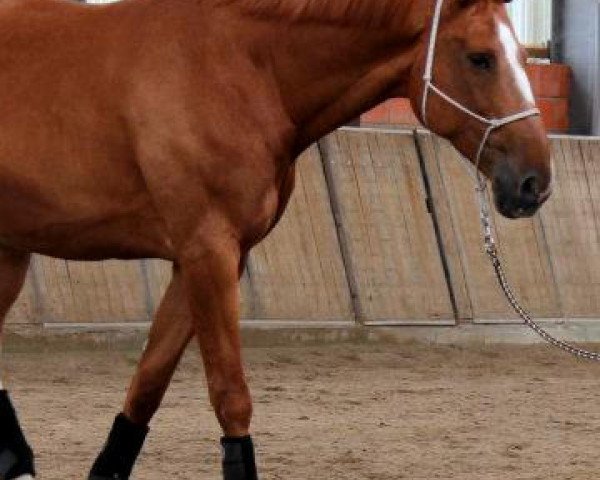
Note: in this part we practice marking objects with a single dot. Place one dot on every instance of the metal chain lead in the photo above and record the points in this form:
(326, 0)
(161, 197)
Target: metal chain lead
(492, 252)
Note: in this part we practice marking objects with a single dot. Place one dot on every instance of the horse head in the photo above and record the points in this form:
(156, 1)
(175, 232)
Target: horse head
(470, 85)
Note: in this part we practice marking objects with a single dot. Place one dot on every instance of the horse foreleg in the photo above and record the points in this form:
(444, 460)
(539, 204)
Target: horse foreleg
(171, 332)
(169, 336)
(211, 277)
(16, 457)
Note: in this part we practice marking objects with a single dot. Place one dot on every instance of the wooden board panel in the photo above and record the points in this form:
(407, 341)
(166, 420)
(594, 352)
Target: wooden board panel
(571, 221)
(297, 272)
(157, 274)
(25, 311)
(393, 253)
(85, 292)
(522, 245)
(449, 238)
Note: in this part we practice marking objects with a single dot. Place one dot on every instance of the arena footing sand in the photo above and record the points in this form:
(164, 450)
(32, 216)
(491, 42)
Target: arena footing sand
(369, 411)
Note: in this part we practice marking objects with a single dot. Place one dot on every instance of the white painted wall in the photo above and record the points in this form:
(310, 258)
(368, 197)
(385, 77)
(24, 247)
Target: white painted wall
(532, 20)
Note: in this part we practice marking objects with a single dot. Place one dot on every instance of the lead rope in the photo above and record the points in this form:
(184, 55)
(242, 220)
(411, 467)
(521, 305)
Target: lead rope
(492, 252)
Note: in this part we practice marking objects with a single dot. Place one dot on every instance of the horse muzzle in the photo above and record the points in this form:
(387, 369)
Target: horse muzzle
(520, 196)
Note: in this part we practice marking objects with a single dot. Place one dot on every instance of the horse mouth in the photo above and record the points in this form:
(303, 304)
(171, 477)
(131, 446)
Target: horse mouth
(515, 207)
(519, 195)
(514, 213)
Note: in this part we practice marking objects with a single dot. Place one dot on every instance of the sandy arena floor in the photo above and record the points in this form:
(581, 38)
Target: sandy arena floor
(342, 412)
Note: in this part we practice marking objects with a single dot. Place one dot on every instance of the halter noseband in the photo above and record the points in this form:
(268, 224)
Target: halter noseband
(491, 123)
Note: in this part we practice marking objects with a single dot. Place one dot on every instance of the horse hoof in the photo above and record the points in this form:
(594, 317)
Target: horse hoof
(25, 477)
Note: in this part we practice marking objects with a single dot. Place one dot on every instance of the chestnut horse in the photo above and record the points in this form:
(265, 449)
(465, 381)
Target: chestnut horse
(169, 129)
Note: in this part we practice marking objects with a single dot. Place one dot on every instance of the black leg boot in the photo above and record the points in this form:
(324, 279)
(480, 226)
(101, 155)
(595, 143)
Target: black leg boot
(16, 456)
(238, 458)
(122, 448)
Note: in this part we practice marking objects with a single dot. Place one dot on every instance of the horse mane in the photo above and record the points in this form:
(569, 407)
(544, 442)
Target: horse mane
(352, 13)
(364, 13)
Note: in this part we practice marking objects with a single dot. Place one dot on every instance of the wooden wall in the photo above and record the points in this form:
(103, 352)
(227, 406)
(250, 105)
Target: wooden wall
(297, 273)
(359, 243)
(571, 223)
(392, 250)
(522, 245)
(552, 260)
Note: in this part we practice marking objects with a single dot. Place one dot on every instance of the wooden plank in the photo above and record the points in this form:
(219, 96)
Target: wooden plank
(449, 237)
(571, 221)
(157, 276)
(522, 245)
(25, 310)
(297, 273)
(91, 291)
(388, 230)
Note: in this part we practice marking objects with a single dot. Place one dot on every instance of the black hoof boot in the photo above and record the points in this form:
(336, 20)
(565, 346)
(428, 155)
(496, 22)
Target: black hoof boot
(238, 458)
(16, 457)
(118, 456)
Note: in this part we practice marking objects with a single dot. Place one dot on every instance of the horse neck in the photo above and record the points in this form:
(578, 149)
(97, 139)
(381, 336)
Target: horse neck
(333, 59)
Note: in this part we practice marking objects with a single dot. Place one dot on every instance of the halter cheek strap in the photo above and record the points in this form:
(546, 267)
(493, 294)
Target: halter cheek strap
(491, 123)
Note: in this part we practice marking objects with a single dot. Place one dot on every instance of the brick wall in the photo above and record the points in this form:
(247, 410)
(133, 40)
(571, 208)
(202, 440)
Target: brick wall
(551, 86)
(397, 111)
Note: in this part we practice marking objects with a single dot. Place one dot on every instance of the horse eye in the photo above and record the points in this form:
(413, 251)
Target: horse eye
(482, 61)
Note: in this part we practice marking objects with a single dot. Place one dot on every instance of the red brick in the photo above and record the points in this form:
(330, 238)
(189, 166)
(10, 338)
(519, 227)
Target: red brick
(380, 115)
(555, 114)
(550, 81)
(397, 111)
(401, 112)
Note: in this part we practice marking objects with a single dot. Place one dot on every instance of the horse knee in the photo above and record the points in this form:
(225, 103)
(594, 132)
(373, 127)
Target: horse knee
(233, 407)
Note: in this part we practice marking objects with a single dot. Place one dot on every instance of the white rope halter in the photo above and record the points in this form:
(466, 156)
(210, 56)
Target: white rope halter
(491, 123)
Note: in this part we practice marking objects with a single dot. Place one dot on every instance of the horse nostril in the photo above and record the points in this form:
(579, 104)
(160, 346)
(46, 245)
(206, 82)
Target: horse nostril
(530, 188)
